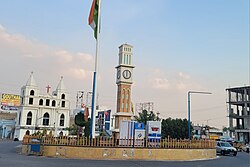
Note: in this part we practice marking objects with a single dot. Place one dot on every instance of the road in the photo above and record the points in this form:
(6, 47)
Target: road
(10, 158)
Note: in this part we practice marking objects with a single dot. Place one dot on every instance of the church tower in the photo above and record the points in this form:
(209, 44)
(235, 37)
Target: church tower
(124, 82)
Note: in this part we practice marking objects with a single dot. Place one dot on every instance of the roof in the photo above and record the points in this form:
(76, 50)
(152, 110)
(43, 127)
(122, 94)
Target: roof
(61, 85)
(126, 45)
(239, 89)
(31, 81)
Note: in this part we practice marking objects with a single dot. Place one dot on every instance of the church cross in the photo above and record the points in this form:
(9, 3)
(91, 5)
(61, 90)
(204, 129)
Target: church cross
(48, 87)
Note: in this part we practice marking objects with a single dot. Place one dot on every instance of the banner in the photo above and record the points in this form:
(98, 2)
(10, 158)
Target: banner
(10, 101)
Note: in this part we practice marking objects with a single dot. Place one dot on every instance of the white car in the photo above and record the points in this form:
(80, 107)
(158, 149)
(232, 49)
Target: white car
(225, 148)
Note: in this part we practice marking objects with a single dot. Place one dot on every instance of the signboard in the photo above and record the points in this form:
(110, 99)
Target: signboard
(154, 131)
(131, 133)
(103, 120)
(10, 101)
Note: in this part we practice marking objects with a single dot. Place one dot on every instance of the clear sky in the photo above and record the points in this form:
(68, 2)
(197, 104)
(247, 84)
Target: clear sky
(179, 45)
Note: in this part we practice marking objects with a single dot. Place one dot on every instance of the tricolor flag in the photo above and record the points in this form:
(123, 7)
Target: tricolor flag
(93, 16)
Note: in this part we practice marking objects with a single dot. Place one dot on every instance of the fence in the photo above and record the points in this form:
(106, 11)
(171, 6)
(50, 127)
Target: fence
(111, 142)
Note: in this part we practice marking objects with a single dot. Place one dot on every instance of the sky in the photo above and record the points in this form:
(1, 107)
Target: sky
(179, 45)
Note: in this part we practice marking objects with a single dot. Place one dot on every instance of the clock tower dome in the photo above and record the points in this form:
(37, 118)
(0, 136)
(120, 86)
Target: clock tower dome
(124, 82)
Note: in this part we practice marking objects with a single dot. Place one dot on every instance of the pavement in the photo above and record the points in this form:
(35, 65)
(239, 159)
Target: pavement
(10, 158)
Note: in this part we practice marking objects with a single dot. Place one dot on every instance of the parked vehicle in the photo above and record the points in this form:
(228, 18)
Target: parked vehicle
(238, 145)
(246, 148)
(225, 148)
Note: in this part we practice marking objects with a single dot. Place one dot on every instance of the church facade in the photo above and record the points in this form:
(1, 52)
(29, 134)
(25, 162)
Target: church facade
(47, 113)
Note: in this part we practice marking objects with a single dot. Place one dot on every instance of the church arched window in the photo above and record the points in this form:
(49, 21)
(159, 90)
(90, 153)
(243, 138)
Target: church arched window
(29, 118)
(31, 100)
(46, 119)
(41, 102)
(27, 132)
(63, 104)
(32, 92)
(63, 96)
(47, 102)
(53, 103)
(62, 117)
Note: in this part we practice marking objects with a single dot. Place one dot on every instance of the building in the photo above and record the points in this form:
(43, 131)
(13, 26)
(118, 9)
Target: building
(124, 82)
(8, 113)
(7, 128)
(239, 116)
(43, 113)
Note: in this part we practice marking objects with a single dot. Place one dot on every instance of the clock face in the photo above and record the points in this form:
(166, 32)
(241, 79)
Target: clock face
(118, 74)
(126, 74)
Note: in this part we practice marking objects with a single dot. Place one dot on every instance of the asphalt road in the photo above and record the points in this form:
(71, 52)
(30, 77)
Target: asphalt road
(10, 158)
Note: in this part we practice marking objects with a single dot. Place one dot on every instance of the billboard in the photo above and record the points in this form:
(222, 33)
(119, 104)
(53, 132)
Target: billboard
(10, 101)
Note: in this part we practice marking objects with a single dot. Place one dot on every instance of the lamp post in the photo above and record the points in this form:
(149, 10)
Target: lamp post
(189, 94)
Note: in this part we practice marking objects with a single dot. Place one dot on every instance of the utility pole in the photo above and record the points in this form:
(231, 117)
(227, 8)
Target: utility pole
(189, 99)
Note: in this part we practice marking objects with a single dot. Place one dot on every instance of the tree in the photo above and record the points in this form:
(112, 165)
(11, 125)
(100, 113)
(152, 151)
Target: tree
(80, 121)
(145, 116)
(72, 130)
(175, 128)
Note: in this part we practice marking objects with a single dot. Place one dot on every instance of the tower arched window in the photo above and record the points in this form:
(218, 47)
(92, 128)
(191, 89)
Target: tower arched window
(46, 119)
(62, 117)
(32, 92)
(29, 118)
(53, 103)
(123, 95)
(63, 96)
(41, 102)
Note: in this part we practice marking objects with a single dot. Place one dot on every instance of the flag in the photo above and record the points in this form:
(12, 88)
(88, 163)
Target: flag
(93, 16)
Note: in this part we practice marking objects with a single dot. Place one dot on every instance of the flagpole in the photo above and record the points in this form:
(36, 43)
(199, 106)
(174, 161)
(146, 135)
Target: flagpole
(94, 90)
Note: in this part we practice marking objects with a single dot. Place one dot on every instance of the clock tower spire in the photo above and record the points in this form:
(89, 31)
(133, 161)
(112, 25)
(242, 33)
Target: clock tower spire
(124, 82)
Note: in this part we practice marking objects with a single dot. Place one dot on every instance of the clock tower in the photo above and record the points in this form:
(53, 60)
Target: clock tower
(124, 82)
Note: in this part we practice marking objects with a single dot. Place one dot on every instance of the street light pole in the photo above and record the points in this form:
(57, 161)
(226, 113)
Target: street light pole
(189, 98)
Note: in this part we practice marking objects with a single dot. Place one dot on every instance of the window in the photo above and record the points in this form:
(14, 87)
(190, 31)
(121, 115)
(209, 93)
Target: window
(62, 120)
(122, 105)
(53, 103)
(46, 119)
(63, 103)
(126, 105)
(63, 96)
(123, 59)
(19, 121)
(41, 102)
(47, 102)
(29, 118)
(32, 92)
(30, 100)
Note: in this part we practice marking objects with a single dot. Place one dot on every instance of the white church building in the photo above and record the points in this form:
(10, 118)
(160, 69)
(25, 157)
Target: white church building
(39, 112)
